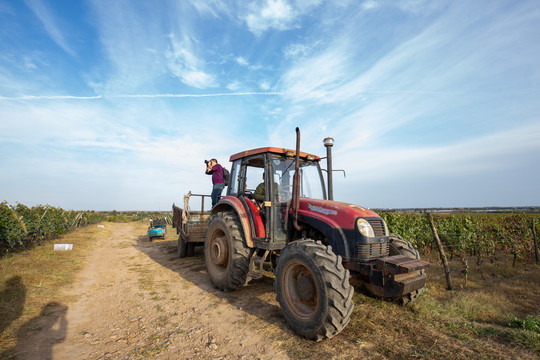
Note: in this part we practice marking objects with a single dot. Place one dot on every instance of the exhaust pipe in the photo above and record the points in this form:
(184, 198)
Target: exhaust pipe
(296, 183)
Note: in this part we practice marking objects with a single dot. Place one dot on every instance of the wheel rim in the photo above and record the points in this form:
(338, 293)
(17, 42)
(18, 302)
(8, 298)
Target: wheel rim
(300, 290)
(219, 250)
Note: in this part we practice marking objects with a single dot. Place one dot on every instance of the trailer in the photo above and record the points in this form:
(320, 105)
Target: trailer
(190, 225)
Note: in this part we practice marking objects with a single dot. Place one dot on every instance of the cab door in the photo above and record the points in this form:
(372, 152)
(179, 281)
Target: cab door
(279, 180)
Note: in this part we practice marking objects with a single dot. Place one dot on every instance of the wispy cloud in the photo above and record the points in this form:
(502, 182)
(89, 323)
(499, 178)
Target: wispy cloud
(50, 24)
(490, 152)
(183, 63)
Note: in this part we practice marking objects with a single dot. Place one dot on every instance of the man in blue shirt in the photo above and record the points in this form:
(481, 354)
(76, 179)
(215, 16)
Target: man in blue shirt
(214, 169)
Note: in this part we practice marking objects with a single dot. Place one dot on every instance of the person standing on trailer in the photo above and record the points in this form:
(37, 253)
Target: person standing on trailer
(214, 169)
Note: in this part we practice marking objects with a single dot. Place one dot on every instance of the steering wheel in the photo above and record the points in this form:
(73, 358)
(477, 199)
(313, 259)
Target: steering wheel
(249, 194)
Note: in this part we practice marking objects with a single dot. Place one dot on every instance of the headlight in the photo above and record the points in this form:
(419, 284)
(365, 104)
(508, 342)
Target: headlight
(365, 228)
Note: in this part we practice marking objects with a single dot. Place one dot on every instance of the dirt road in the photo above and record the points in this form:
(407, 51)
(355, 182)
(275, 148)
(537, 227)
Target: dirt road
(136, 299)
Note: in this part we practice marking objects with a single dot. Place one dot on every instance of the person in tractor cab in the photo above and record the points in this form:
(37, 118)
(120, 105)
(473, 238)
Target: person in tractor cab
(214, 169)
(260, 191)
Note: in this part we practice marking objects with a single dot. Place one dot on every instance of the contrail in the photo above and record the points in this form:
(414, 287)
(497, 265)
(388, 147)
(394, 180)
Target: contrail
(54, 97)
(127, 96)
(197, 95)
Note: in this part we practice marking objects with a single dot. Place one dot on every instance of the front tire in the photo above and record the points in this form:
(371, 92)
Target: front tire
(226, 253)
(313, 289)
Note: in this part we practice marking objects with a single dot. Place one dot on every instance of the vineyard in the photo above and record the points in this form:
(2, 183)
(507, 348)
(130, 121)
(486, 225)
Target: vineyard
(22, 227)
(485, 237)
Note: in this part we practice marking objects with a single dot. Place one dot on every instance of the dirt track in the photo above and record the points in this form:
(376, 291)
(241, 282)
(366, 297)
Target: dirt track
(136, 299)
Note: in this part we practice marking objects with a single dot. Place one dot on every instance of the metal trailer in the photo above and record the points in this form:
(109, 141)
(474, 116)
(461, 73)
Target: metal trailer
(190, 225)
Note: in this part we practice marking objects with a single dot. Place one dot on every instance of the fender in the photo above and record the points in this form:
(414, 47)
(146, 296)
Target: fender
(336, 236)
(231, 202)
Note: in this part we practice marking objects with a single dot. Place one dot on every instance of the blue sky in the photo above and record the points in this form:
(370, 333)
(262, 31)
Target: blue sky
(115, 104)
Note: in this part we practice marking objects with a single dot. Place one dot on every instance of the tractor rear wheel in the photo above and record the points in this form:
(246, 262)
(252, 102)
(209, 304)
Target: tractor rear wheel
(398, 246)
(226, 253)
(313, 289)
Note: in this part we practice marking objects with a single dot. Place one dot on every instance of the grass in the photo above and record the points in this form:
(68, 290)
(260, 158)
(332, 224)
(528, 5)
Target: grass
(32, 279)
(496, 317)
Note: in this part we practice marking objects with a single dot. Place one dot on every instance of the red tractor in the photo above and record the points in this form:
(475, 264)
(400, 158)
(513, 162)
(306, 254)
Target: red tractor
(277, 210)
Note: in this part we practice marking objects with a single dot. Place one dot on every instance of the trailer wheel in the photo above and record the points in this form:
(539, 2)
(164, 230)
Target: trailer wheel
(398, 246)
(182, 247)
(225, 251)
(313, 289)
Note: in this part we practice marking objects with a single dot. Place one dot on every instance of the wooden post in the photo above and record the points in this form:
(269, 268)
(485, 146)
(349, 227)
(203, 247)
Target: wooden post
(535, 241)
(449, 285)
(466, 271)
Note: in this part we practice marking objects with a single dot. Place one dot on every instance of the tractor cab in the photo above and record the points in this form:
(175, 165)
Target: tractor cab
(263, 181)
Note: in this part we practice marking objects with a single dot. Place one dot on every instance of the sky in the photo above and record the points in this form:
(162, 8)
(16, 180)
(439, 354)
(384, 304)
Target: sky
(115, 104)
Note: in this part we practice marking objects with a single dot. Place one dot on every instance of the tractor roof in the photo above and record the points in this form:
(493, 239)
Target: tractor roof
(274, 150)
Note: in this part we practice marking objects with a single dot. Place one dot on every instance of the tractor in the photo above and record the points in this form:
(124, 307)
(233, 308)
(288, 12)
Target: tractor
(277, 210)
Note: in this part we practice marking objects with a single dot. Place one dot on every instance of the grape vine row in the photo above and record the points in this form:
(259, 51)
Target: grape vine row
(485, 236)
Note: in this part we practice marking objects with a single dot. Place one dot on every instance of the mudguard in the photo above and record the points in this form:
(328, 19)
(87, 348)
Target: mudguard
(228, 203)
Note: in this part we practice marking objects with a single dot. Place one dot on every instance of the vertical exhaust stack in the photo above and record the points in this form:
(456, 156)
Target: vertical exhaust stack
(296, 183)
(328, 143)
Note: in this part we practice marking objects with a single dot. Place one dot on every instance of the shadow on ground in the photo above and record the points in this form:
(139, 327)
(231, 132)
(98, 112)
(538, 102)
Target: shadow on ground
(193, 269)
(44, 330)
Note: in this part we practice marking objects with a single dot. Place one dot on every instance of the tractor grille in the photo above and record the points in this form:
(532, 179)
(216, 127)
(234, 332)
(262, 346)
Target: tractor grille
(378, 226)
(370, 251)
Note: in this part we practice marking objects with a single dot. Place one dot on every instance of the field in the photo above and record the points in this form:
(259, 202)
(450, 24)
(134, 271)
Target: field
(116, 295)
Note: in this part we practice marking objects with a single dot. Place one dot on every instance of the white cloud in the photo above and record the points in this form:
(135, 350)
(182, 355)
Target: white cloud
(273, 14)
(264, 15)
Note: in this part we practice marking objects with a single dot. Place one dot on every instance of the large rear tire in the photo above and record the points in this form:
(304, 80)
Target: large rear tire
(398, 246)
(226, 253)
(313, 289)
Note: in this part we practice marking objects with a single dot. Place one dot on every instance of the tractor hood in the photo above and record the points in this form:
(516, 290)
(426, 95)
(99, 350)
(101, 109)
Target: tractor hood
(337, 212)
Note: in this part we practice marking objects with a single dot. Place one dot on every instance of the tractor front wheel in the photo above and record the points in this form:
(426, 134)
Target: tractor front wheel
(313, 289)
(226, 253)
